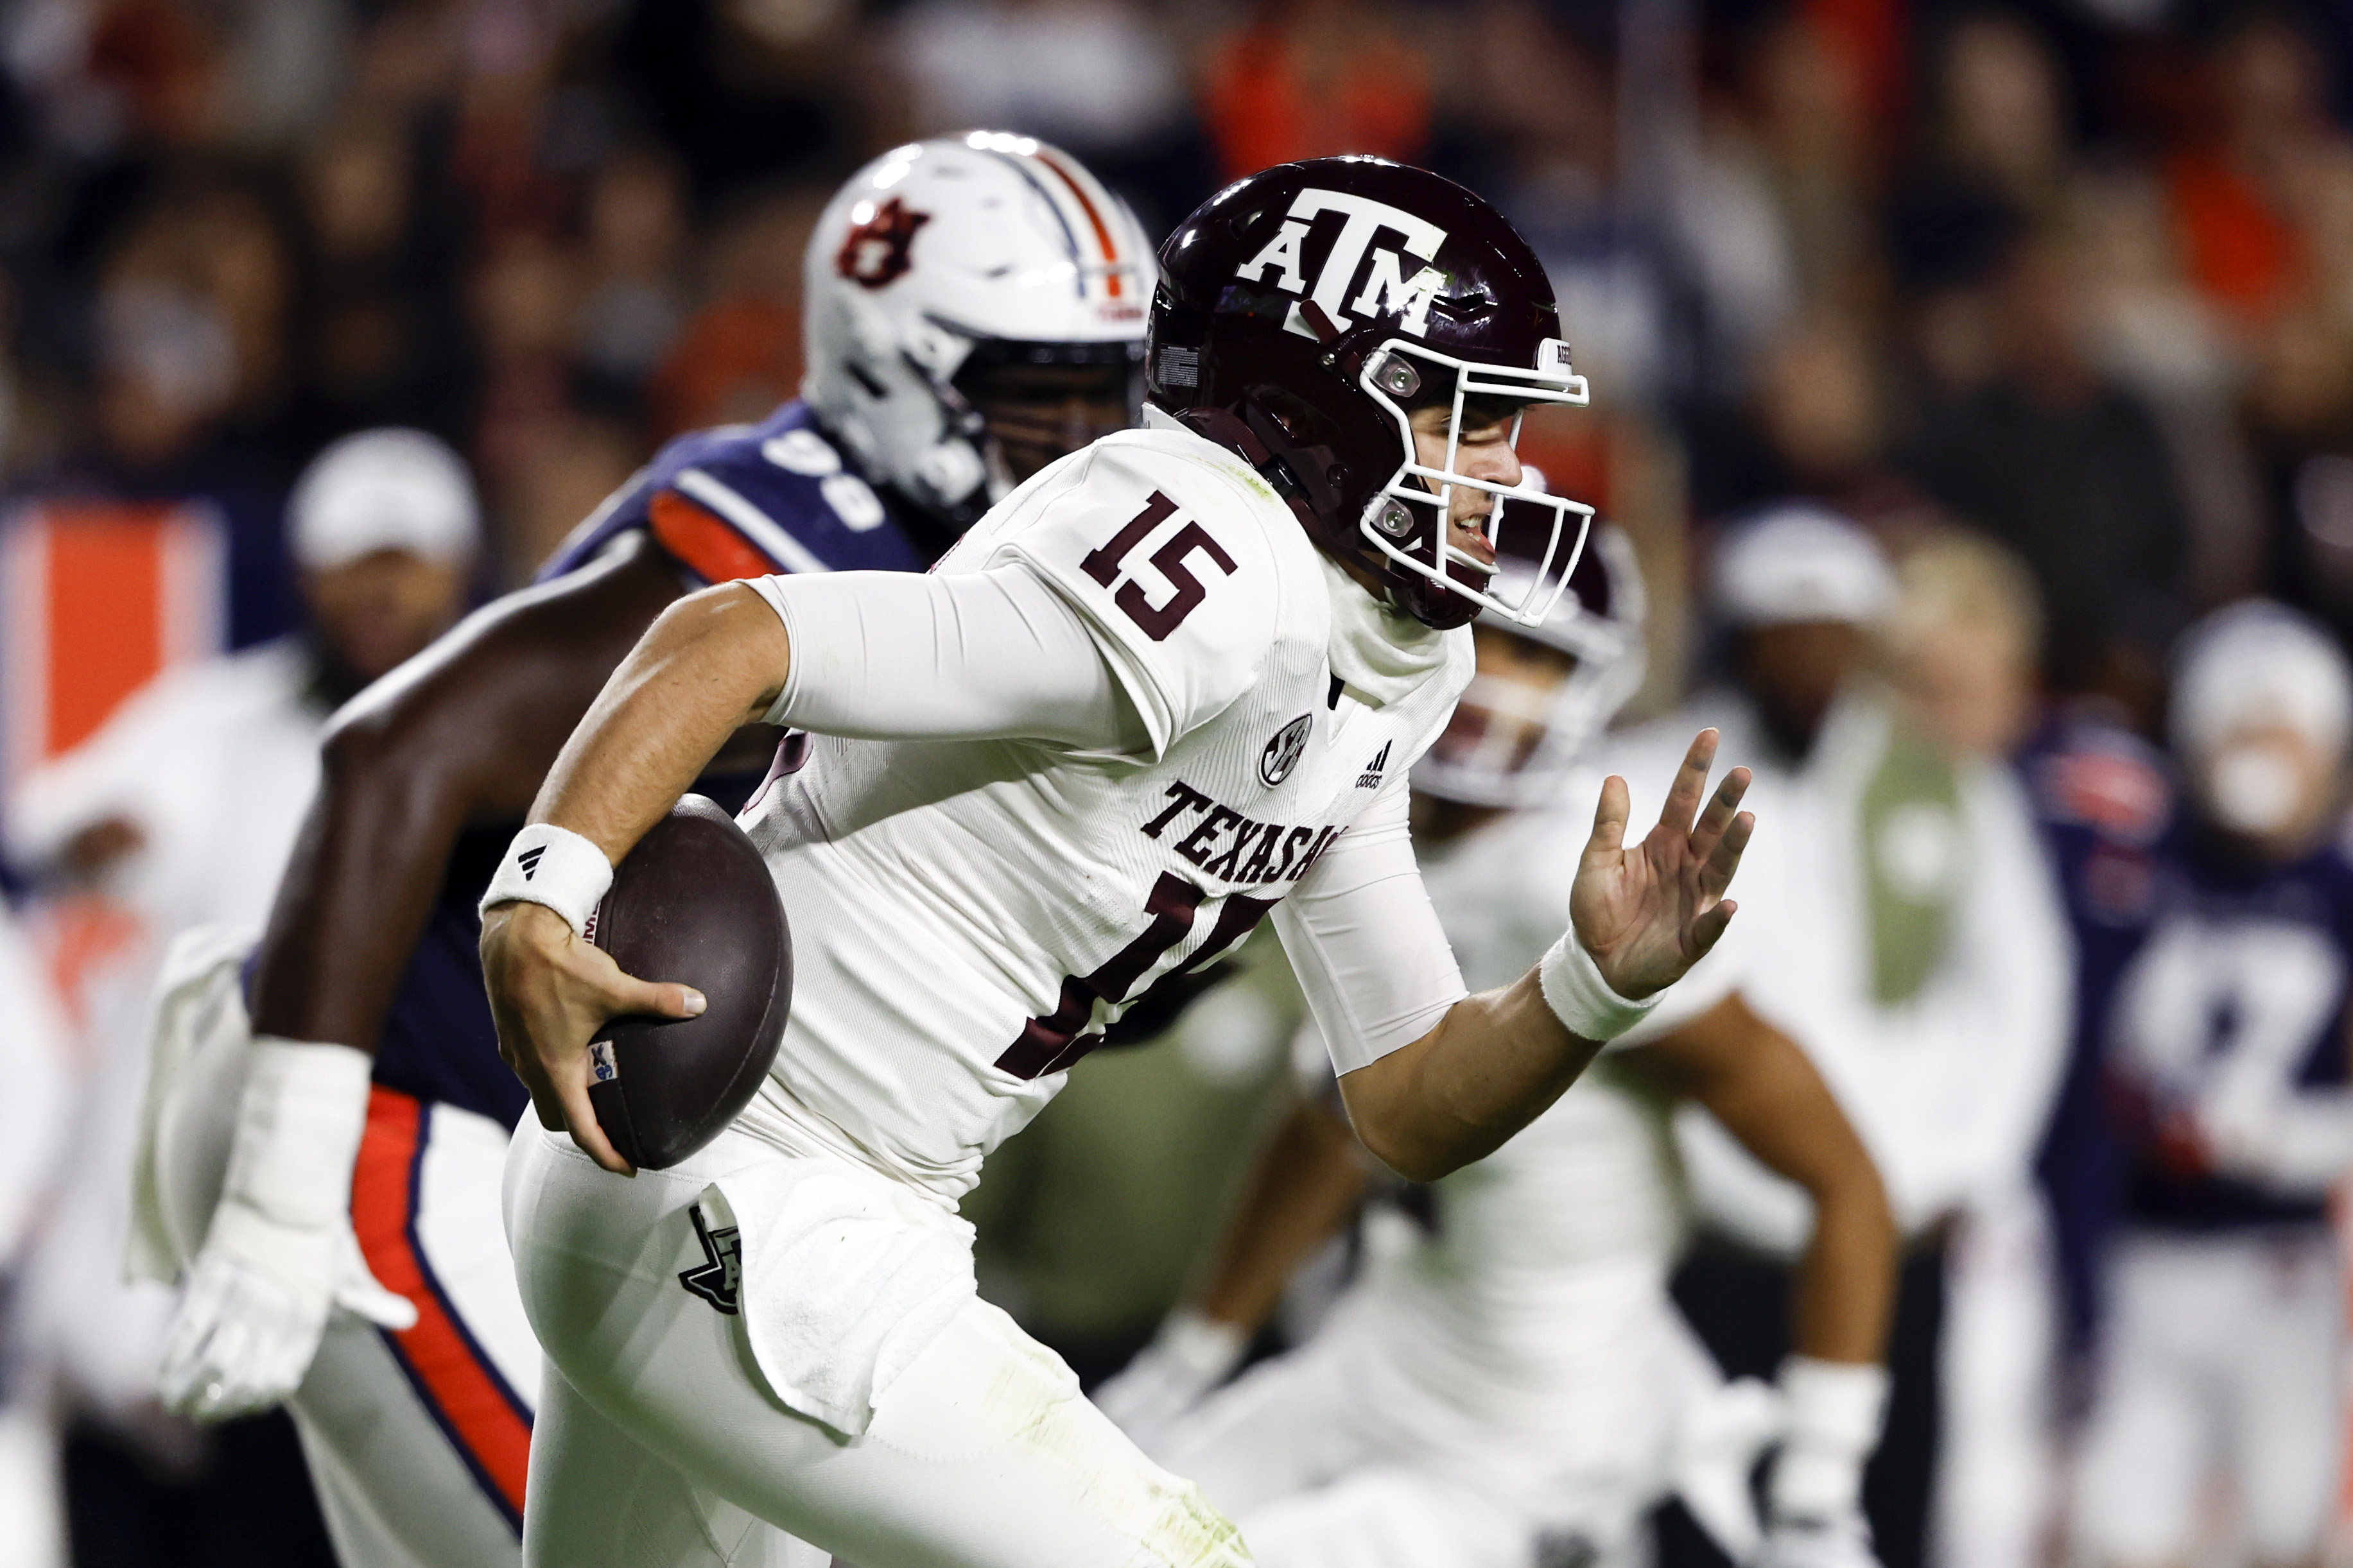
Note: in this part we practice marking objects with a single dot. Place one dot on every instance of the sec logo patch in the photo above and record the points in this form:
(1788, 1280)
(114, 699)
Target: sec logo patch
(1283, 752)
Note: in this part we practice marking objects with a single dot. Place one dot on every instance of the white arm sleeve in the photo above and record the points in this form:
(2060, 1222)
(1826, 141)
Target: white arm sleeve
(977, 655)
(1366, 944)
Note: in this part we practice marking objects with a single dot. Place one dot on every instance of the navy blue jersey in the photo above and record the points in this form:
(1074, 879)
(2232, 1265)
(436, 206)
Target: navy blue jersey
(2105, 803)
(745, 500)
(742, 500)
(2243, 974)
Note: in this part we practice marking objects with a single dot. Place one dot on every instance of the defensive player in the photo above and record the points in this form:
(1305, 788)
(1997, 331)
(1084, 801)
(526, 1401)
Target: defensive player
(2228, 1035)
(1507, 1382)
(1172, 684)
(975, 309)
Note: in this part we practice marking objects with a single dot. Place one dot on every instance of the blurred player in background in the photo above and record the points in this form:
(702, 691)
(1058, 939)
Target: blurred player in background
(182, 810)
(1507, 1382)
(36, 1116)
(975, 311)
(2228, 1040)
(1920, 956)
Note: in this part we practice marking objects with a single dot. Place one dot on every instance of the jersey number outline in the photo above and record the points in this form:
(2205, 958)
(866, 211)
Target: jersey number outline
(1158, 621)
(1055, 1041)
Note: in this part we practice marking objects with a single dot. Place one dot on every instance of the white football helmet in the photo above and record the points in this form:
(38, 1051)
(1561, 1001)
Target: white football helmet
(1510, 743)
(944, 262)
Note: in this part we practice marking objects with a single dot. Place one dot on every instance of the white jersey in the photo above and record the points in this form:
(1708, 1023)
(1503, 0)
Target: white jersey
(1537, 1296)
(968, 915)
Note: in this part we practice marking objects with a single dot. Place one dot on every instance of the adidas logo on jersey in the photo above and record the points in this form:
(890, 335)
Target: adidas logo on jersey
(529, 861)
(1371, 777)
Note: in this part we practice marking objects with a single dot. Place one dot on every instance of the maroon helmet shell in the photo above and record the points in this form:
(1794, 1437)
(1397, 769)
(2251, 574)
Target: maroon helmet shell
(1316, 303)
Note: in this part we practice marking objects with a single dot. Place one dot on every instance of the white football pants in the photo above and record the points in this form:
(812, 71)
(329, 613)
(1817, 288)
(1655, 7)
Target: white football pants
(660, 1444)
(2220, 1350)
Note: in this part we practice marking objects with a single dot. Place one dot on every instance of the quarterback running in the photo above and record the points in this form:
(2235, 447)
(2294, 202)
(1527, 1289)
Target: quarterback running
(1172, 684)
(975, 309)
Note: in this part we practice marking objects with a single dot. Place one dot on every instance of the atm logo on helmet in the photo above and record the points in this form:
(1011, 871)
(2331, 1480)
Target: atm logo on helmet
(1388, 284)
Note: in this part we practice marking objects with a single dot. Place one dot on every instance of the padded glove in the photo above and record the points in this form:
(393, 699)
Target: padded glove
(280, 1253)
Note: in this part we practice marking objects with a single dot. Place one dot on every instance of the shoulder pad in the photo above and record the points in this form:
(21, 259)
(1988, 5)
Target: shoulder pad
(1185, 577)
(745, 500)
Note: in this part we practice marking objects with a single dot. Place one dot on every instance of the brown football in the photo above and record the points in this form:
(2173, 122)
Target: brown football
(692, 903)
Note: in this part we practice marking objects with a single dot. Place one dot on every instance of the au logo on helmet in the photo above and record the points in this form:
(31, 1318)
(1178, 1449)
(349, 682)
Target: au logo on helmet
(1387, 287)
(875, 251)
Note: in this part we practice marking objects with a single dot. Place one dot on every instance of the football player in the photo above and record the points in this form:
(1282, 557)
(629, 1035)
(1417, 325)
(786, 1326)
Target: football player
(975, 309)
(1507, 1382)
(1173, 684)
(2227, 1036)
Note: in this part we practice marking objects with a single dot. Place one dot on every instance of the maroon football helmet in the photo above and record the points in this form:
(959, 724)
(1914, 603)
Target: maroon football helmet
(1302, 313)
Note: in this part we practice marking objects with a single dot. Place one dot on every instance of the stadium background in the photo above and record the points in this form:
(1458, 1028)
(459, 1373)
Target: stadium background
(2076, 273)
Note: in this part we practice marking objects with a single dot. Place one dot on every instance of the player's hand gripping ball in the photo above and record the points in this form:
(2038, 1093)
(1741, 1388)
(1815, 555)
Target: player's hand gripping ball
(692, 903)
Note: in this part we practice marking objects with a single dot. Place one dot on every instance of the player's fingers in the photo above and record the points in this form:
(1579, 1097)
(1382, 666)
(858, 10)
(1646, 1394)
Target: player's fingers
(227, 1360)
(1709, 927)
(186, 1349)
(1722, 807)
(1691, 782)
(1725, 859)
(661, 999)
(515, 1048)
(183, 1365)
(1610, 816)
(580, 1115)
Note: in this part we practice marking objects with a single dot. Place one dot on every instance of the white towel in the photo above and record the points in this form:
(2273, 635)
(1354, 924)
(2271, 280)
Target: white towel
(846, 1278)
(198, 1000)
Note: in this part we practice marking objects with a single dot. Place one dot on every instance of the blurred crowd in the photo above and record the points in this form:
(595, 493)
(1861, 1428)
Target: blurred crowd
(2053, 298)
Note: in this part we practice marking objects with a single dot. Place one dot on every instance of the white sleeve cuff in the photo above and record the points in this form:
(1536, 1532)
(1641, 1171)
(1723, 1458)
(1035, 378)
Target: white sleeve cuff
(770, 589)
(1835, 1413)
(1581, 999)
(555, 866)
(298, 1131)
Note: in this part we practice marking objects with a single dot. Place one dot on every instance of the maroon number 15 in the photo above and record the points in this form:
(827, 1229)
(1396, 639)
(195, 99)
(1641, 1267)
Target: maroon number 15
(1158, 621)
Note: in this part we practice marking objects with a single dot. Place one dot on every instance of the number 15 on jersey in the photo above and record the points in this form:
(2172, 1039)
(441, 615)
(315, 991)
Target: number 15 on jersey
(1172, 559)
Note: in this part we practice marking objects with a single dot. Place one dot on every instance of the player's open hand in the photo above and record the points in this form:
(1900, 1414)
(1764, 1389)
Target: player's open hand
(1648, 911)
(549, 993)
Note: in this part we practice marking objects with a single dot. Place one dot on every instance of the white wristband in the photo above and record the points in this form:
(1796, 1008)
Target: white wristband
(1835, 1412)
(1581, 999)
(555, 866)
(1201, 1344)
(298, 1133)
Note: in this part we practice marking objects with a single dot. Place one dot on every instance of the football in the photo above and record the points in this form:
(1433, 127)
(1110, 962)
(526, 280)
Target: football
(692, 903)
